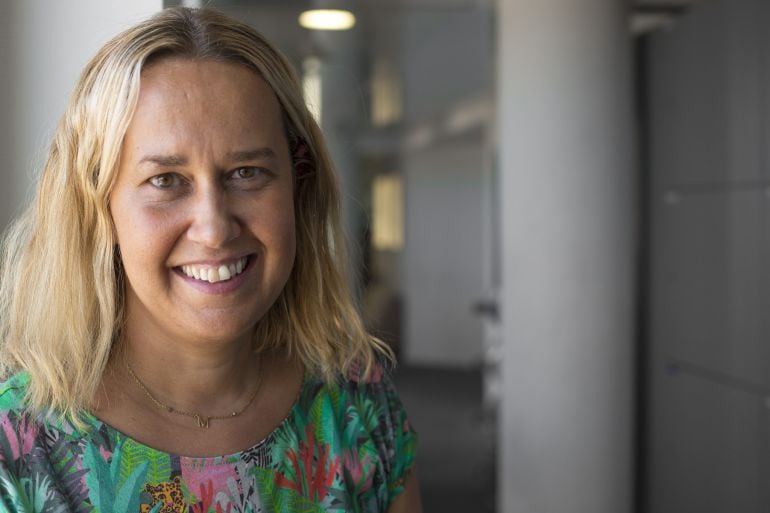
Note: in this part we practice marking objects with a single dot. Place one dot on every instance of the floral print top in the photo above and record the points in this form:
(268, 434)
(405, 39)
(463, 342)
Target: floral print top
(343, 447)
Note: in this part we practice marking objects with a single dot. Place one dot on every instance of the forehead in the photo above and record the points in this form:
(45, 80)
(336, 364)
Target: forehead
(202, 79)
(181, 98)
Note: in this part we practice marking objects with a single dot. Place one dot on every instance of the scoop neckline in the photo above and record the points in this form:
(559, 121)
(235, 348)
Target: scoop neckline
(95, 423)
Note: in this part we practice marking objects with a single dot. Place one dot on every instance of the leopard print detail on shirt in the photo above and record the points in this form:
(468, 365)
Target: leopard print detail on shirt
(169, 493)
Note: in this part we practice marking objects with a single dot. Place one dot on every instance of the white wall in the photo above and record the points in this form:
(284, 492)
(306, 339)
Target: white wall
(48, 43)
(446, 58)
(6, 122)
(442, 260)
(568, 232)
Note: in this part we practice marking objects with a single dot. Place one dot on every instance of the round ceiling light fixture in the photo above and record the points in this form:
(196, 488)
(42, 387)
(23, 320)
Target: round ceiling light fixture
(327, 19)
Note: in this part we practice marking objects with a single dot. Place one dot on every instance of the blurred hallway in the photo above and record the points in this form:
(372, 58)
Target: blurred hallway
(594, 173)
(457, 442)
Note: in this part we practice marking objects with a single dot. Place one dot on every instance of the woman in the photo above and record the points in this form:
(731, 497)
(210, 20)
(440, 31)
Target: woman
(177, 335)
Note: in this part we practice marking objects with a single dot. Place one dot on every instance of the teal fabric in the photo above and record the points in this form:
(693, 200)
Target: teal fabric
(343, 447)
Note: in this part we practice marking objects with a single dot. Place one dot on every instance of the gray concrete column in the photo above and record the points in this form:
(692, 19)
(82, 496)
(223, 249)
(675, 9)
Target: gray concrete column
(48, 42)
(567, 186)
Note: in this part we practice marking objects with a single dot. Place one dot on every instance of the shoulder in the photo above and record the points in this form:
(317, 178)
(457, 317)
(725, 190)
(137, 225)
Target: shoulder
(356, 392)
(19, 427)
(20, 423)
(12, 395)
(373, 393)
(363, 413)
(14, 406)
(375, 386)
(359, 374)
(32, 452)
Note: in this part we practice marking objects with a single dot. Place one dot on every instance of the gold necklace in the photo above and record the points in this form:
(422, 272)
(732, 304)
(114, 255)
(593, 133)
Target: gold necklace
(202, 420)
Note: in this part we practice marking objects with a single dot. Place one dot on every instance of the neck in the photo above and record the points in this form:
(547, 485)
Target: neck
(202, 376)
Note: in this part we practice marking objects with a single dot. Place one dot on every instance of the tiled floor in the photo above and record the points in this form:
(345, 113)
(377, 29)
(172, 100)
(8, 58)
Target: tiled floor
(456, 454)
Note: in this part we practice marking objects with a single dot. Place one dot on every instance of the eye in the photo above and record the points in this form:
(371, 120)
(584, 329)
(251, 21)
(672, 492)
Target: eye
(164, 181)
(246, 173)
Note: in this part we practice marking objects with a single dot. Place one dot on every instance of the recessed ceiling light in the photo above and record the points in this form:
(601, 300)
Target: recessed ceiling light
(327, 19)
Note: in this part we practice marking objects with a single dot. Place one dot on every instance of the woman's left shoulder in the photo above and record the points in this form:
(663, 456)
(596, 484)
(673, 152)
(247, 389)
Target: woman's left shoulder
(363, 430)
(364, 386)
(364, 400)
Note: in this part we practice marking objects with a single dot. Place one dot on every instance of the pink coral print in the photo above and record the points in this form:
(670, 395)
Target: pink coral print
(355, 374)
(361, 471)
(27, 434)
(220, 510)
(206, 497)
(198, 472)
(10, 435)
(106, 455)
(313, 485)
(21, 441)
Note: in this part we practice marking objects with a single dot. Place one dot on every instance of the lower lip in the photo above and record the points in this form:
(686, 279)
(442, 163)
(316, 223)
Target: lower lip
(220, 287)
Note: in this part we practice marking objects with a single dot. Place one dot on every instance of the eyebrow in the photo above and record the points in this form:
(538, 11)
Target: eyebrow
(233, 156)
(255, 154)
(165, 160)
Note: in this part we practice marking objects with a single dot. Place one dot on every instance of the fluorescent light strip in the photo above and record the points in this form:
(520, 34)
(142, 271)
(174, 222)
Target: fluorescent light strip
(327, 19)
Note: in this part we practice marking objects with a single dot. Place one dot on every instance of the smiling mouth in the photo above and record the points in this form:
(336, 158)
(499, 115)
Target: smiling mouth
(215, 273)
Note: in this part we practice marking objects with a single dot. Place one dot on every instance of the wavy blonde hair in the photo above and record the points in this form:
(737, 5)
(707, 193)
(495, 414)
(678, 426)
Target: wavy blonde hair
(62, 290)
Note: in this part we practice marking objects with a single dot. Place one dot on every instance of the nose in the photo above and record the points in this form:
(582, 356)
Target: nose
(213, 223)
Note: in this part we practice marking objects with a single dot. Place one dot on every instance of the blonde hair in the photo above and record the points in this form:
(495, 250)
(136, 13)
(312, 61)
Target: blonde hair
(62, 290)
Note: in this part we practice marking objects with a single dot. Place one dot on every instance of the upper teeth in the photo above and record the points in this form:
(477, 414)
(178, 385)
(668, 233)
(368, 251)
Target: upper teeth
(213, 274)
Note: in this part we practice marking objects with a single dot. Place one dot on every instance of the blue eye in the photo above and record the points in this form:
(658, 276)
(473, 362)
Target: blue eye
(163, 181)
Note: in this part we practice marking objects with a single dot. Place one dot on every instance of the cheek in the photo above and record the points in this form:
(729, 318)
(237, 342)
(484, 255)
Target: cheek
(143, 237)
(272, 221)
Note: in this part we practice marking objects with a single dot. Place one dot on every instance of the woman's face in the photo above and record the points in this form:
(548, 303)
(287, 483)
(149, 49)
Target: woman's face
(203, 202)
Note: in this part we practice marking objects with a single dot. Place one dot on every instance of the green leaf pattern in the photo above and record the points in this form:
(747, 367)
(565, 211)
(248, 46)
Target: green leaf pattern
(346, 446)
